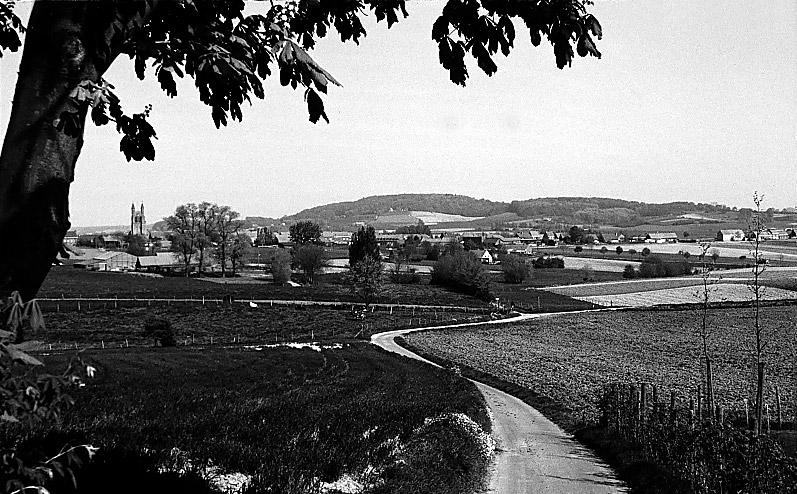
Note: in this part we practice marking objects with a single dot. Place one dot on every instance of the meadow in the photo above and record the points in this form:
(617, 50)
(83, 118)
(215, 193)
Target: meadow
(568, 359)
(270, 420)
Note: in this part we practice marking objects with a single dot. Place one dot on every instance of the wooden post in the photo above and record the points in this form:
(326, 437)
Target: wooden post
(769, 428)
(777, 408)
(759, 398)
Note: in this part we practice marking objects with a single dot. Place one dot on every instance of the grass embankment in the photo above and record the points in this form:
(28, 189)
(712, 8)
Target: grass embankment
(561, 364)
(290, 420)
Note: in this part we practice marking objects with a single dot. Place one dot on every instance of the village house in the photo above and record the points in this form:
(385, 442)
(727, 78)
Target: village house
(71, 237)
(162, 262)
(110, 261)
(661, 238)
(484, 256)
(730, 235)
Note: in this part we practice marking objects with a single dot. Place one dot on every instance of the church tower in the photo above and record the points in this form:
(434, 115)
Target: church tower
(137, 220)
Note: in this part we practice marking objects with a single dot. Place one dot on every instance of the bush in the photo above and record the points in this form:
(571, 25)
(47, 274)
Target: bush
(545, 262)
(405, 277)
(448, 454)
(160, 330)
(462, 271)
(515, 269)
(645, 251)
(629, 272)
(281, 266)
(619, 250)
(656, 267)
(578, 248)
(632, 251)
(604, 250)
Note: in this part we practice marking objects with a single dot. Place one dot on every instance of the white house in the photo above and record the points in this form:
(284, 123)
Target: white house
(730, 235)
(484, 256)
(661, 238)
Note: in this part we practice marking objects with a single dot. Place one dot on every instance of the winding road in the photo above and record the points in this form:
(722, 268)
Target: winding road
(533, 454)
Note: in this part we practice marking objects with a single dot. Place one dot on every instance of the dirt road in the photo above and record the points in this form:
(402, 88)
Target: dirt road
(533, 455)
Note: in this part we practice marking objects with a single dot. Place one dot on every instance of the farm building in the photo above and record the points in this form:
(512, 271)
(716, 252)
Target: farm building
(730, 235)
(661, 238)
(112, 261)
(162, 262)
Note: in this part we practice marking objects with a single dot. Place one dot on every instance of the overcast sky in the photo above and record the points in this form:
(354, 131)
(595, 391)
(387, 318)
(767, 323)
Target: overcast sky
(692, 100)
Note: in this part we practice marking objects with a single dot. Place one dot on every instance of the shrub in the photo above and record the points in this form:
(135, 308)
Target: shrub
(629, 272)
(632, 251)
(365, 279)
(281, 266)
(578, 248)
(448, 454)
(619, 250)
(405, 277)
(310, 259)
(160, 330)
(462, 271)
(604, 250)
(645, 251)
(544, 262)
(515, 269)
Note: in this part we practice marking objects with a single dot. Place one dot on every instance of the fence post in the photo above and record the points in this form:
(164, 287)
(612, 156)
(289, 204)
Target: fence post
(777, 405)
(746, 413)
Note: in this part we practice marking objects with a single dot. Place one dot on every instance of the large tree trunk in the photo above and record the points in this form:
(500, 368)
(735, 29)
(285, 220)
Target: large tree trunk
(37, 162)
(64, 45)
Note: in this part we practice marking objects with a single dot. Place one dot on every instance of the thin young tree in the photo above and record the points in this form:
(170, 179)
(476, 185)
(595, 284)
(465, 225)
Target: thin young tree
(705, 294)
(757, 226)
(207, 230)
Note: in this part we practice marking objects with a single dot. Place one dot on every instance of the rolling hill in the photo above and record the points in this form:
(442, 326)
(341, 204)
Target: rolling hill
(458, 211)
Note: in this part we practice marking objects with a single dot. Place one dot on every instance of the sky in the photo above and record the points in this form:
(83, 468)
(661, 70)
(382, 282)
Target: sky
(693, 101)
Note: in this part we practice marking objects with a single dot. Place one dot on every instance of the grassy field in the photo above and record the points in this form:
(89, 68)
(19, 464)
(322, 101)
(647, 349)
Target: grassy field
(70, 282)
(284, 420)
(567, 359)
(196, 323)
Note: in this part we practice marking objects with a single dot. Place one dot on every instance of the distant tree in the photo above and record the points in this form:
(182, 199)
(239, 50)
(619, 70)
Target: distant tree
(365, 279)
(281, 266)
(687, 254)
(601, 238)
(419, 229)
(604, 249)
(619, 250)
(185, 227)
(686, 234)
(207, 231)
(645, 252)
(629, 271)
(472, 244)
(363, 244)
(226, 226)
(632, 251)
(652, 267)
(240, 247)
(515, 268)
(305, 232)
(793, 233)
(433, 253)
(462, 271)
(588, 273)
(310, 259)
(576, 235)
(715, 255)
(578, 248)
(136, 245)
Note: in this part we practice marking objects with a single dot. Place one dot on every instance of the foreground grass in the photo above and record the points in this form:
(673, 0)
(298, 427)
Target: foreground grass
(569, 358)
(290, 419)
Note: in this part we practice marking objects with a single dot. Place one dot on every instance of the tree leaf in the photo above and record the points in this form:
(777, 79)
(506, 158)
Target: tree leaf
(19, 355)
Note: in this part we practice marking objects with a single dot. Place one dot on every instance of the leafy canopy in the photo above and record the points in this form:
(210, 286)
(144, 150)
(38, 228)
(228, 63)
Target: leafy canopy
(229, 54)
